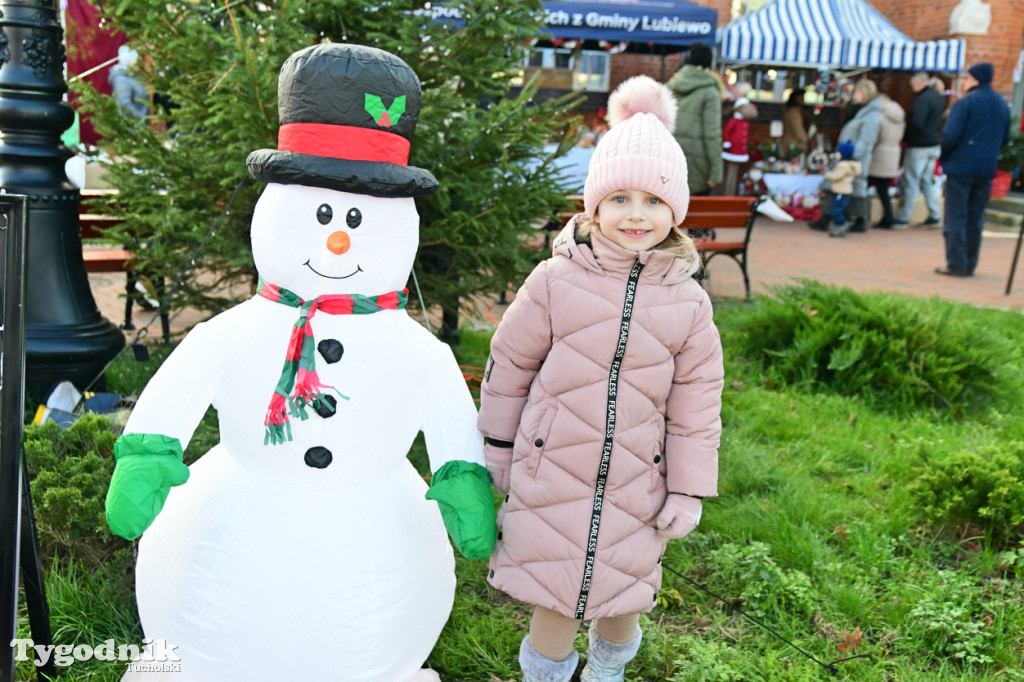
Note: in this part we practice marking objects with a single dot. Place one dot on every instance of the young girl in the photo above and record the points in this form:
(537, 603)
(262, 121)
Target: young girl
(601, 400)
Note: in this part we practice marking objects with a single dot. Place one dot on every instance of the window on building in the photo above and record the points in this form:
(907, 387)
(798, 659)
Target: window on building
(571, 69)
(595, 71)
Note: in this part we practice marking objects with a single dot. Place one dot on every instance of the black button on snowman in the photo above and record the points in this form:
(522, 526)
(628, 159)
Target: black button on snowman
(331, 350)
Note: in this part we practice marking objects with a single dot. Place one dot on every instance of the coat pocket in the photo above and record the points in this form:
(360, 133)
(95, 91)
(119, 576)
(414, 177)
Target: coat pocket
(539, 439)
(659, 482)
(659, 470)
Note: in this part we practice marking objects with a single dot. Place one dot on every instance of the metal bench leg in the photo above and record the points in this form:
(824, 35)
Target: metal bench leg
(165, 318)
(129, 299)
(746, 279)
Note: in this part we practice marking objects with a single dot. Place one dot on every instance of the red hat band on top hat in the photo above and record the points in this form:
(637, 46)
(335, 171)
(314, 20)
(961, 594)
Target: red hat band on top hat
(349, 143)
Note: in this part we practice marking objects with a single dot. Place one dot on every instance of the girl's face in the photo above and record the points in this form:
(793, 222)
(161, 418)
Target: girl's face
(858, 97)
(634, 219)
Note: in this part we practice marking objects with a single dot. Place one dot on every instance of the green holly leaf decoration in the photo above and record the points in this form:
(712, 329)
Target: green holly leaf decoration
(385, 117)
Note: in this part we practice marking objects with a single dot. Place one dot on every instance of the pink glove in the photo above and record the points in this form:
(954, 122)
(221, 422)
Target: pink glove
(679, 516)
(499, 466)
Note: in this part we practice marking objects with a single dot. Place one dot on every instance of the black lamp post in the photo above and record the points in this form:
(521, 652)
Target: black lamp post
(66, 337)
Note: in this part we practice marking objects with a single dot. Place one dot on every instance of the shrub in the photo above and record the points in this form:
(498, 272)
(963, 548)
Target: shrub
(984, 486)
(70, 470)
(711, 661)
(893, 352)
(750, 573)
(949, 622)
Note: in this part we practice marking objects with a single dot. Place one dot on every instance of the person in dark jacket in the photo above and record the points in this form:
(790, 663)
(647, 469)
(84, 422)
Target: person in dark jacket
(977, 128)
(924, 123)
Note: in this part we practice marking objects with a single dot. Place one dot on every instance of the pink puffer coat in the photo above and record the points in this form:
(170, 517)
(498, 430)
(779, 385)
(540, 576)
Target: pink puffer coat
(547, 388)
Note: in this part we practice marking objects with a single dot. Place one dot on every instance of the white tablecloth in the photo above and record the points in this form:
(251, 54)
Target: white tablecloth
(786, 184)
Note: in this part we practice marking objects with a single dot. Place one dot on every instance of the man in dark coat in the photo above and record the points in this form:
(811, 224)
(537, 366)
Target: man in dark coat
(977, 127)
(924, 124)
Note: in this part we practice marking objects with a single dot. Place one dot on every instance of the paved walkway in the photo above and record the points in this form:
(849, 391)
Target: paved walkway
(901, 261)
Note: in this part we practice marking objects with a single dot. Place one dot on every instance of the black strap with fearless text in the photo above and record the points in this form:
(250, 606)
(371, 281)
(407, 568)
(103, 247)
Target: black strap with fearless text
(609, 434)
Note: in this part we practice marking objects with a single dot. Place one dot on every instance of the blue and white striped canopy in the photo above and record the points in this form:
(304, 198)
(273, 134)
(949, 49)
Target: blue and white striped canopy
(843, 34)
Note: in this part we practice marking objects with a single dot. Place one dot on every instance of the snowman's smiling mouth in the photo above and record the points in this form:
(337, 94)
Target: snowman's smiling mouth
(357, 270)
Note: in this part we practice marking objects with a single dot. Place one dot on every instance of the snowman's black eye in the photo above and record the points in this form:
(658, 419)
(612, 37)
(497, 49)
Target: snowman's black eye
(354, 217)
(324, 214)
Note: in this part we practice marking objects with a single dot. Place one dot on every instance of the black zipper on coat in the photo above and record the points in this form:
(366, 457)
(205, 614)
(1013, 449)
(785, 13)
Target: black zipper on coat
(609, 437)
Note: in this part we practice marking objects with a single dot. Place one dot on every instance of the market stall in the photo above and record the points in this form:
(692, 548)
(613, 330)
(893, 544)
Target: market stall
(839, 35)
(819, 46)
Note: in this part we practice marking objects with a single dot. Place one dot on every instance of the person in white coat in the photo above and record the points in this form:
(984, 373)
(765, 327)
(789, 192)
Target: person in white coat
(862, 131)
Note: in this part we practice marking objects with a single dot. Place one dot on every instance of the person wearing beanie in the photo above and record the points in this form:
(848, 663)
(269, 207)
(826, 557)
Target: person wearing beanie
(600, 403)
(700, 54)
(698, 127)
(840, 177)
(977, 128)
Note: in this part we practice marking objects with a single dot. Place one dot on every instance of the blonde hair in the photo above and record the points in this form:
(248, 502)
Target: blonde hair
(867, 88)
(677, 243)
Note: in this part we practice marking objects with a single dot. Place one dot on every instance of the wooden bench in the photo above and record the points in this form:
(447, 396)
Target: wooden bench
(713, 222)
(707, 219)
(104, 258)
(92, 224)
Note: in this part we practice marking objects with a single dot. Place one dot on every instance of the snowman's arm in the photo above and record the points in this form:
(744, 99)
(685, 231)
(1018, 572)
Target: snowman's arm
(176, 398)
(449, 415)
(460, 484)
(149, 454)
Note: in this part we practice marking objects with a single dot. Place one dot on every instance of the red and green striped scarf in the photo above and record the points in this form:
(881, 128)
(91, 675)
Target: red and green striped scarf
(299, 385)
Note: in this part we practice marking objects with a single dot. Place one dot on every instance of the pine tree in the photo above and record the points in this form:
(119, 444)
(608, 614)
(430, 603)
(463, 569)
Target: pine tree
(218, 63)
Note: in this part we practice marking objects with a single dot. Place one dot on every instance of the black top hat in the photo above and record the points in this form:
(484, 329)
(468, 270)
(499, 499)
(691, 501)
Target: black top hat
(347, 117)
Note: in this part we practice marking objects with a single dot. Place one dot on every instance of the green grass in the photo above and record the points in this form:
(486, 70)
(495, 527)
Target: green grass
(817, 530)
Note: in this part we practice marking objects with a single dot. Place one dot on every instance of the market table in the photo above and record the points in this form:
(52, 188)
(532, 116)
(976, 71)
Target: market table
(788, 184)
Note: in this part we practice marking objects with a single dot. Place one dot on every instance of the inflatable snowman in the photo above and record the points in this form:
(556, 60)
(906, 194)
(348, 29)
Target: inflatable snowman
(302, 545)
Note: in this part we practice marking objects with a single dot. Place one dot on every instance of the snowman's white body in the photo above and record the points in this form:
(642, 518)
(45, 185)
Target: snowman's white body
(262, 567)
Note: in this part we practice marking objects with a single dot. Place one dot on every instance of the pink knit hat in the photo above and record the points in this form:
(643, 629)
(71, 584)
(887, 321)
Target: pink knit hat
(639, 151)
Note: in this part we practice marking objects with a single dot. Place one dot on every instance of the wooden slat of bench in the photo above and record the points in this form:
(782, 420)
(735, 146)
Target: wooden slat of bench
(721, 204)
(92, 224)
(715, 245)
(106, 260)
(696, 221)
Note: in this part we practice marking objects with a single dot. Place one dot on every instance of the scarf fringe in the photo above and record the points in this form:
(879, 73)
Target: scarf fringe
(277, 433)
(276, 421)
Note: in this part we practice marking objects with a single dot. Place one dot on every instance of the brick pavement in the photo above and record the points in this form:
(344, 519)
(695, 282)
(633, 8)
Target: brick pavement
(901, 261)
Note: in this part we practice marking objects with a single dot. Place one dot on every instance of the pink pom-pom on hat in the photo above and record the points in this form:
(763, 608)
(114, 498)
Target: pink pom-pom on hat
(639, 151)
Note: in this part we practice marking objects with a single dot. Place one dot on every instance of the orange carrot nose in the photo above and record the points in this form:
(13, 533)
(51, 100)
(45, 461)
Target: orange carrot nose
(338, 243)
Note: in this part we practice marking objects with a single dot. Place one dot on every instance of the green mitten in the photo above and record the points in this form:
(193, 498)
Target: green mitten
(463, 492)
(147, 466)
